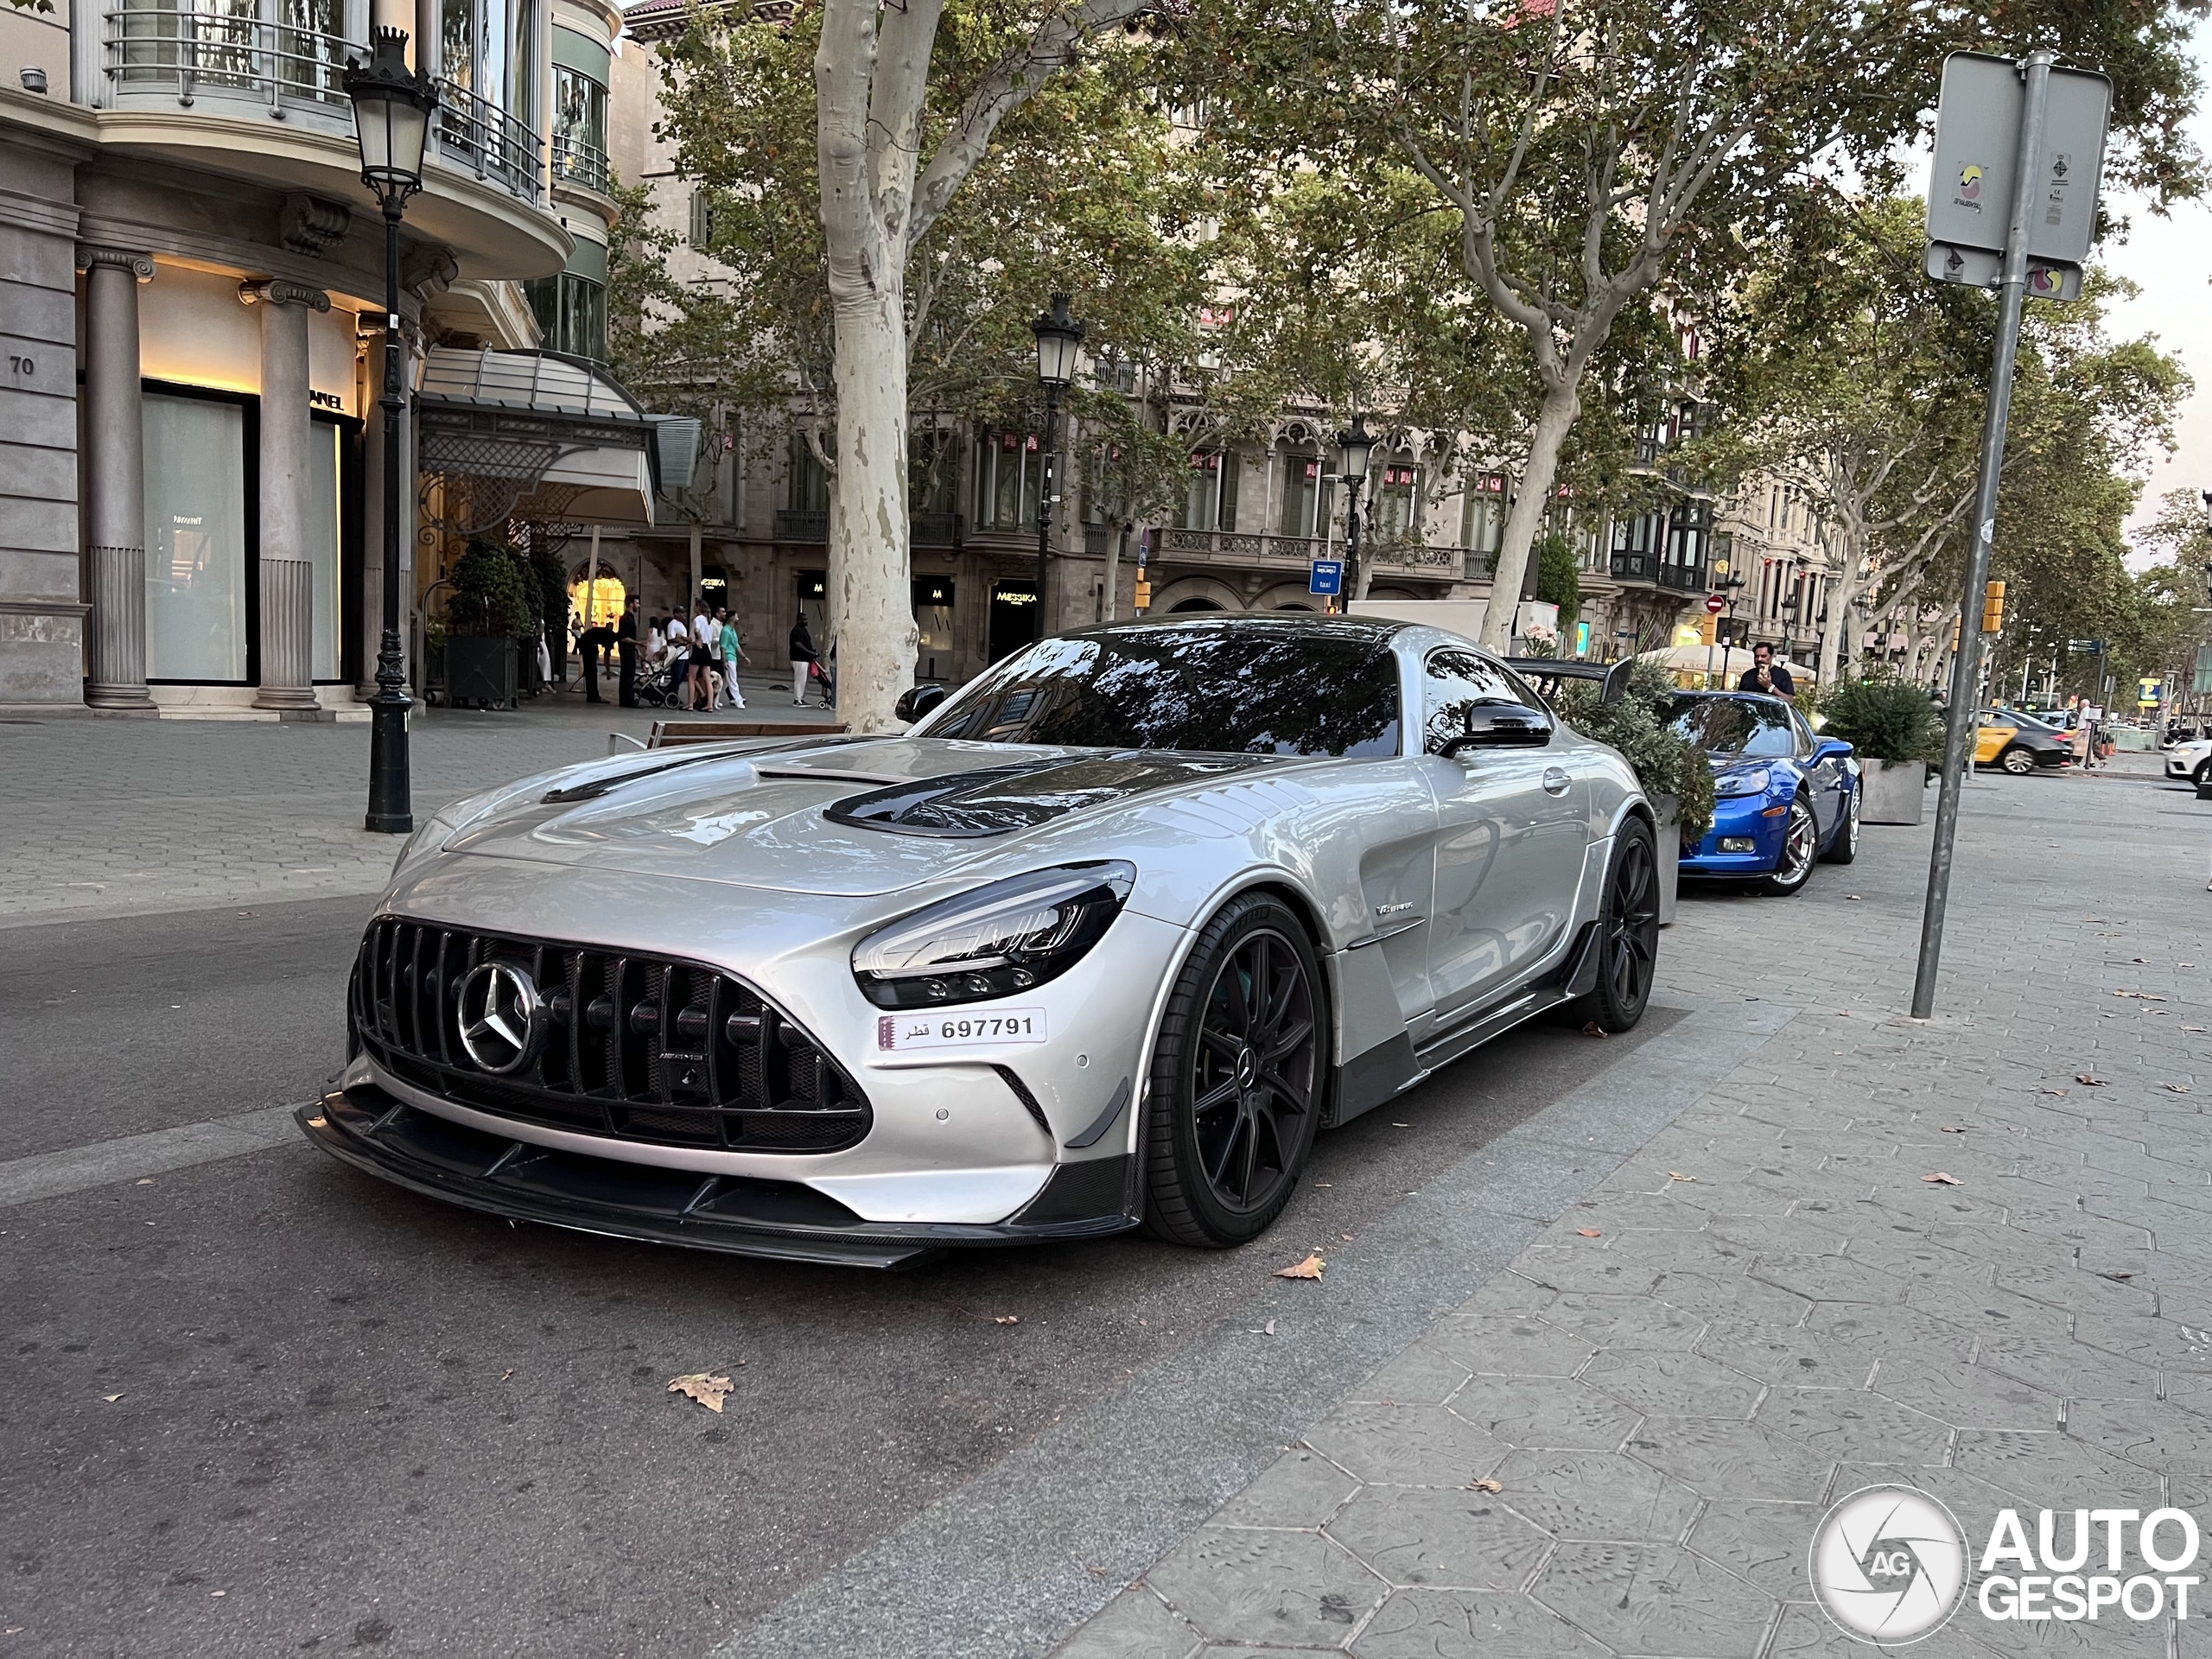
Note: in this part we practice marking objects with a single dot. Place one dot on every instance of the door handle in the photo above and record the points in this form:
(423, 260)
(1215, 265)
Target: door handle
(1557, 780)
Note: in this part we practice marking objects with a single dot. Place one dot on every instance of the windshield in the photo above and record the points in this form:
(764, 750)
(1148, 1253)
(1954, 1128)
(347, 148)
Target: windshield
(1223, 687)
(1757, 729)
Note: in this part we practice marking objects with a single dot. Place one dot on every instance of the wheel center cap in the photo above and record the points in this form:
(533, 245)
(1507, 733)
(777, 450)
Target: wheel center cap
(1248, 1068)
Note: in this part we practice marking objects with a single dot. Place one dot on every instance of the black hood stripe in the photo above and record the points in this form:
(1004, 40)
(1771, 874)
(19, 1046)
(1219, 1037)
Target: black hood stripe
(1002, 800)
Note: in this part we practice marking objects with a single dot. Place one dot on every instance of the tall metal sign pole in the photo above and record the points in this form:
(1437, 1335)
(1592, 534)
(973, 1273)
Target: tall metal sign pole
(2053, 125)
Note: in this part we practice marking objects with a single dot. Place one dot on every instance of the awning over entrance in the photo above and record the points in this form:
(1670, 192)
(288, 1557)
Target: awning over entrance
(545, 437)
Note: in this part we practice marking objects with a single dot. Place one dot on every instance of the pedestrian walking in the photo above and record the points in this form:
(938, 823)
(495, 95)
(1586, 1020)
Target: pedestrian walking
(626, 646)
(699, 688)
(802, 659)
(733, 654)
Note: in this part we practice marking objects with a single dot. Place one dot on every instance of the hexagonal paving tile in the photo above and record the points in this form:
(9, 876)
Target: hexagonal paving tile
(1654, 1599)
(1426, 1534)
(1987, 1309)
(1726, 1458)
(2053, 1471)
(1732, 1296)
(1916, 1259)
(1299, 1489)
(1855, 1425)
(1619, 1212)
(1133, 1625)
(1801, 1356)
(2078, 1227)
(2171, 1343)
(1652, 1381)
(1405, 1446)
(1469, 1624)
(1295, 1588)
(1524, 1346)
(1765, 1543)
(1996, 1244)
(1791, 1234)
(1891, 1332)
(1967, 1397)
(2061, 1365)
(1625, 1321)
(1562, 1267)
(1595, 1495)
(2075, 1290)
(1556, 1415)
(1805, 1632)
(1829, 1278)
(1422, 1375)
(2153, 1434)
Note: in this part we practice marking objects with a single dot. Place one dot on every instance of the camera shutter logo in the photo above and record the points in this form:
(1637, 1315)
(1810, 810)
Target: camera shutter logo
(1889, 1565)
(502, 1017)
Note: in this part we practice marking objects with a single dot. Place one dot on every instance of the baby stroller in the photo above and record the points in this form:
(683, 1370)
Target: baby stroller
(660, 686)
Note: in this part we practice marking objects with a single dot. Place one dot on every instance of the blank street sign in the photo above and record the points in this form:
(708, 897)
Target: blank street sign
(1977, 138)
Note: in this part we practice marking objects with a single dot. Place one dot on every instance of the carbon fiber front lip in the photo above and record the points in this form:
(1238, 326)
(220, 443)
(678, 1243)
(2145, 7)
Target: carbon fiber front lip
(373, 1131)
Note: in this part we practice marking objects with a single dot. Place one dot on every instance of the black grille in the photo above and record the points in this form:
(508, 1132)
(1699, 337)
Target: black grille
(639, 1048)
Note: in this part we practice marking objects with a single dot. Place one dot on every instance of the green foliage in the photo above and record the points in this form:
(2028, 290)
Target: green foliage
(1558, 578)
(1666, 763)
(1885, 718)
(494, 592)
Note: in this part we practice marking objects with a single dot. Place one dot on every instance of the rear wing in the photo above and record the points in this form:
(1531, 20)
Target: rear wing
(1548, 671)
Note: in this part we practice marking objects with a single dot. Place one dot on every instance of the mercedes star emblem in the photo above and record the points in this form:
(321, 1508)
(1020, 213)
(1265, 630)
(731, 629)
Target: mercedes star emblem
(502, 1018)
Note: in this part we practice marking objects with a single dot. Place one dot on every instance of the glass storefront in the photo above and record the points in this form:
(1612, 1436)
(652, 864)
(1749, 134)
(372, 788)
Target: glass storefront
(326, 477)
(198, 535)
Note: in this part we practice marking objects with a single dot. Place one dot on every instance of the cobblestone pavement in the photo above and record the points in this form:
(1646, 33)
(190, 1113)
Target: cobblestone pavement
(110, 818)
(1769, 1307)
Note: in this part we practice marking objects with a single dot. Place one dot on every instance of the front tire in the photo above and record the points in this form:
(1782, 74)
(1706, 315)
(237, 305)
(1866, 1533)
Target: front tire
(1238, 1079)
(1801, 839)
(2017, 760)
(1845, 847)
(1628, 934)
(2204, 780)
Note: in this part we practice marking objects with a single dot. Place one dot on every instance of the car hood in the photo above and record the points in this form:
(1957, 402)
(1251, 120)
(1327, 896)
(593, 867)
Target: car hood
(852, 817)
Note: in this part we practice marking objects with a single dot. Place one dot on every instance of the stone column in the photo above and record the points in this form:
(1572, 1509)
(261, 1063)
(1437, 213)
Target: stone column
(114, 481)
(286, 494)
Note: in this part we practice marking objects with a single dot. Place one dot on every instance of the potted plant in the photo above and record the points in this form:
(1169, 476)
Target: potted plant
(1672, 770)
(487, 612)
(1896, 732)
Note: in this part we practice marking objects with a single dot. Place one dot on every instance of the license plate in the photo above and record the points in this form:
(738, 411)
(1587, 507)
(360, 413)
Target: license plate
(897, 1033)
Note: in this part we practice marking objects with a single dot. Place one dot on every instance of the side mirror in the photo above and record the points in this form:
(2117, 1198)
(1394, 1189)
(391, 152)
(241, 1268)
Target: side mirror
(1500, 726)
(1831, 749)
(917, 702)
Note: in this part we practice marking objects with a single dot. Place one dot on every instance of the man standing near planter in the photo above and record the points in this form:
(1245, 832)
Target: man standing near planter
(1764, 678)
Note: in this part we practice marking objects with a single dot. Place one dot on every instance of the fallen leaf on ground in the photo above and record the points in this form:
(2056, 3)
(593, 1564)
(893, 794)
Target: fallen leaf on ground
(505, 1375)
(1594, 1029)
(1485, 1486)
(1309, 1269)
(111, 1398)
(1852, 898)
(2192, 1027)
(1940, 1179)
(1268, 1329)
(1955, 1128)
(1402, 1126)
(2051, 1091)
(2115, 1277)
(2088, 1077)
(1007, 1318)
(2178, 1087)
(709, 1391)
(2135, 959)
(1345, 1236)
(1676, 1175)
(1325, 1182)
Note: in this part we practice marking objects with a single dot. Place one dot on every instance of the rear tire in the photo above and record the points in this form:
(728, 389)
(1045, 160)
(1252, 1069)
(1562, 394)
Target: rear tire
(2204, 780)
(1238, 1080)
(2017, 761)
(1628, 934)
(1845, 847)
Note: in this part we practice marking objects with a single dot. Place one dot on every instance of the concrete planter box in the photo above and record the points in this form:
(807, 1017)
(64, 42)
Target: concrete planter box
(1896, 791)
(1669, 813)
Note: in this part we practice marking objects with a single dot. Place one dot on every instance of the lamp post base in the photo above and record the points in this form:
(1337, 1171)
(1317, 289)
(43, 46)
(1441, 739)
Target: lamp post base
(390, 795)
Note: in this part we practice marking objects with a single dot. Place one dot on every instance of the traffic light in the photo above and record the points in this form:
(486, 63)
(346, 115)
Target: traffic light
(1144, 596)
(1993, 609)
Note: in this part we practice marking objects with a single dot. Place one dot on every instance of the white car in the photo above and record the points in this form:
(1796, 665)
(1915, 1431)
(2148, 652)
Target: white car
(2193, 762)
(1102, 943)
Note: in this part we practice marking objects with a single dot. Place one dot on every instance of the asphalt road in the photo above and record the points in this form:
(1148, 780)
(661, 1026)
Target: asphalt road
(347, 1416)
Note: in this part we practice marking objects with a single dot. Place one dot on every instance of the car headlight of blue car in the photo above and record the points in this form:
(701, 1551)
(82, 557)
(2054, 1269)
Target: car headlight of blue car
(1753, 781)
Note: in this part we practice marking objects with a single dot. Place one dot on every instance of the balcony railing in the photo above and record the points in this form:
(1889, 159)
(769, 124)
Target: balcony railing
(166, 51)
(577, 161)
(476, 135)
(1431, 562)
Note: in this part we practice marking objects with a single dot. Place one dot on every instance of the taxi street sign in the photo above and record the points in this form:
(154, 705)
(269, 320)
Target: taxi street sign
(1328, 577)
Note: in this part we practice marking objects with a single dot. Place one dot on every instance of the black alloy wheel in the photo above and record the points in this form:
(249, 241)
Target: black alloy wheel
(1628, 934)
(1238, 1079)
(1845, 847)
(1801, 838)
(2203, 780)
(2019, 760)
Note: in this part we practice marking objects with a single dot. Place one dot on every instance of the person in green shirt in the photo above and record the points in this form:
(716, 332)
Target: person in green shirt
(732, 654)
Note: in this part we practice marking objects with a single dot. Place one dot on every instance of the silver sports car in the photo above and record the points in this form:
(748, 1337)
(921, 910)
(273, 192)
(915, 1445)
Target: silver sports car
(1101, 943)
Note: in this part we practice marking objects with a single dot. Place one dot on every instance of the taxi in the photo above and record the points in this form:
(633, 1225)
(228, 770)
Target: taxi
(2019, 744)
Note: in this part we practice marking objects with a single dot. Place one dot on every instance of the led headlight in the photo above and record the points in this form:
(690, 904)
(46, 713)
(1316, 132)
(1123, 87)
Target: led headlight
(1753, 782)
(997, 940)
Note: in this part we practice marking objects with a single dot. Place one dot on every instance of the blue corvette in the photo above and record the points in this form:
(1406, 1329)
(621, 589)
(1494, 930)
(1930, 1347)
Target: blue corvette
(1786, 796)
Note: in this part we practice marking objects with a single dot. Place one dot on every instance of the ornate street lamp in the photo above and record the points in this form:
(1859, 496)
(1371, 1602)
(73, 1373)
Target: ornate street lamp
(1355, 445)
(1058, 336)
(392, 107)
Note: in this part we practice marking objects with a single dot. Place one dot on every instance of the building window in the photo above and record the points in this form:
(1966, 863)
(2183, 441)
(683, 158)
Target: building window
(579, 129)
(198, 533)
(1305, 497)
(1482, 518)
(807, 481)
(1209, 499)
(702, 221)
(1007, 473)
(933, 472)
(1396, 513)
(571, 313)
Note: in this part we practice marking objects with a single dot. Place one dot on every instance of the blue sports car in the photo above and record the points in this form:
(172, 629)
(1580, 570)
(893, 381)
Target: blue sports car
(1786, 797)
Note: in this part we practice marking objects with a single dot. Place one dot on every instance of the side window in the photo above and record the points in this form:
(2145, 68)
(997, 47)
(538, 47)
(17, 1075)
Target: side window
(1455, 680)
(1805, 739)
